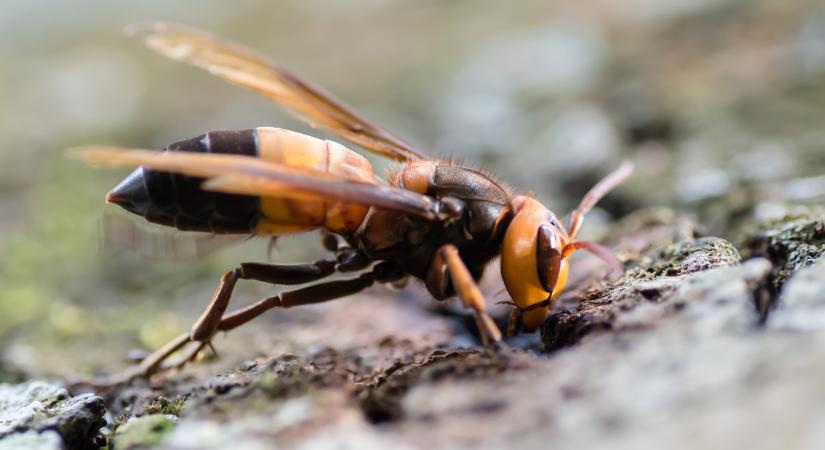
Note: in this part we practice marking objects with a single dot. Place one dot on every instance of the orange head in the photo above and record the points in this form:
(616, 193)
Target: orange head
(533, 264)
(536, 246)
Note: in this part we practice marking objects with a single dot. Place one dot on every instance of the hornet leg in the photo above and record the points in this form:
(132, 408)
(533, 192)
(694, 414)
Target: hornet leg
(309, 295)
(207, 324)
(211, 321)
(448, 260)
(319, 293)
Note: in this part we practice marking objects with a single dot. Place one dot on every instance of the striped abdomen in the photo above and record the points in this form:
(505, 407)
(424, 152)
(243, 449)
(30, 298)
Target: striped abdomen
(177, 200)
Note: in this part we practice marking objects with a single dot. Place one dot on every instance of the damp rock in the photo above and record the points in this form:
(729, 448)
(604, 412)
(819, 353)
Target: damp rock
(39, 407)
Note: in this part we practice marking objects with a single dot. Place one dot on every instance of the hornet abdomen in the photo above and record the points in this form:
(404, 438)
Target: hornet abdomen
(177, 200)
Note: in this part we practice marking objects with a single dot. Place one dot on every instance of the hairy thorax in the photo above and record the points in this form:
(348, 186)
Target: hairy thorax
(411, 242)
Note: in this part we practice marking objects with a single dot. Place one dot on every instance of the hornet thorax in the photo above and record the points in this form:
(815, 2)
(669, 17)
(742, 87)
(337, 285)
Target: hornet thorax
(411, 242)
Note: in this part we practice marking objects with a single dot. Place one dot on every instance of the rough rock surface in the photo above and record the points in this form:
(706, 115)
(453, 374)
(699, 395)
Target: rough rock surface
(714, 337)
(35, 413)
(46, 440)
(792, 242)
(681, 352)
(598, 309)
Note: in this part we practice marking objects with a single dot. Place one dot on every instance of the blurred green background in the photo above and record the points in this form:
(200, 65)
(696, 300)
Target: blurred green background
(719, 102)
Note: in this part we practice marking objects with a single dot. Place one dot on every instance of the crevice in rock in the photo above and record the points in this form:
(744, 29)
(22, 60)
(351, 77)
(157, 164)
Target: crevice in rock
(381, 398)
(789, 243)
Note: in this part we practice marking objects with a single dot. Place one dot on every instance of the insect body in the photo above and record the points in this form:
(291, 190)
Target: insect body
(177, 200)
(439, 221)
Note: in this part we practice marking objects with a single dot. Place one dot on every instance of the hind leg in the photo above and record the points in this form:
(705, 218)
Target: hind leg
(209, 322)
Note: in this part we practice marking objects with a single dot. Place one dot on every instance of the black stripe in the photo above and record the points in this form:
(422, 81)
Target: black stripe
(230, 208)
(177, 200)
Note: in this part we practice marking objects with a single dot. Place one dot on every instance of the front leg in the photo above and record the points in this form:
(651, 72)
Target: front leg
(448, 263)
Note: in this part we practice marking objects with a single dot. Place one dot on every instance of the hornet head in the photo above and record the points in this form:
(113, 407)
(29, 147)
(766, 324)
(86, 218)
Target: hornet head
(536, 247)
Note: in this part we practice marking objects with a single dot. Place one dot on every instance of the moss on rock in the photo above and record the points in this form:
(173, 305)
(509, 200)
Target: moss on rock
(597, 309)
(165, 406)
(791, 243)
(143, 432)
(694, 255)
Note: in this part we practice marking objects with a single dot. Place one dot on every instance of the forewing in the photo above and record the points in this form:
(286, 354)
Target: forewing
(238, 174)
(243, 67)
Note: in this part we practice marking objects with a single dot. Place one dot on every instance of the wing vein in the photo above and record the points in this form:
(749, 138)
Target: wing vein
(239, 174)
(243, 67)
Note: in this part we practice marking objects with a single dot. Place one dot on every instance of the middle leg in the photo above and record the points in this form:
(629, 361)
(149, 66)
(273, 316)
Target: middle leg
(207, 324)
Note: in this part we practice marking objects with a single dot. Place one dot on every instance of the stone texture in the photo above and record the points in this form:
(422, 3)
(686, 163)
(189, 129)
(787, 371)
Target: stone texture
(38, 407)
(691, 370)
(679, 353)
(598, 309)
(792, 242)
(47, 440)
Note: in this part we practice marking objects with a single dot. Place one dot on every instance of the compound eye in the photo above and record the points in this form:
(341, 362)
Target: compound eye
(548, 258)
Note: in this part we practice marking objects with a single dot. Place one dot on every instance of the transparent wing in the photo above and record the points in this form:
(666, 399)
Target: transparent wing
(238, 174)
(243, 67)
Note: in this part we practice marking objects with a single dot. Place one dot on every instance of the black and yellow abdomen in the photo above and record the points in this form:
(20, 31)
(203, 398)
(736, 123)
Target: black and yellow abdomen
(177, 200)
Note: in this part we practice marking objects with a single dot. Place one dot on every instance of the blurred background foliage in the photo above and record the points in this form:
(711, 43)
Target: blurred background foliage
(719, 102)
